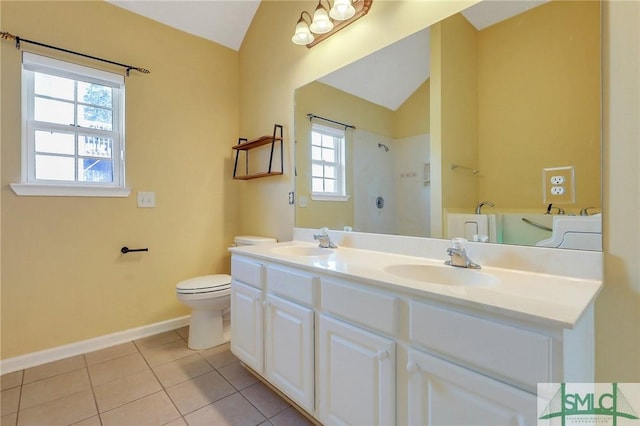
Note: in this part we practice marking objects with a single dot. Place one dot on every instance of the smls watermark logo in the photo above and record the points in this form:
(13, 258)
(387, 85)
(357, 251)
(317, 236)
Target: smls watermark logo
(562, 404)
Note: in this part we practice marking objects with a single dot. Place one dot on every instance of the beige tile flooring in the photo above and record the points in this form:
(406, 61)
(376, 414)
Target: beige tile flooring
(157, 380)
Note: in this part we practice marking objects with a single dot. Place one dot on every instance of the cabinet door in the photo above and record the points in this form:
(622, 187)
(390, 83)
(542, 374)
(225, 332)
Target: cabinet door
(441, 393)
(246, 325)
(356, 375)
(288, 346)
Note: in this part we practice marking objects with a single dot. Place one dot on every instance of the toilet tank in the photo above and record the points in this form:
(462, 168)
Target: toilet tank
(252, 240)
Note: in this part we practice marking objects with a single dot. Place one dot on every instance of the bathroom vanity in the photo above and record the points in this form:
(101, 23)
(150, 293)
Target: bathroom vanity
(363, 337)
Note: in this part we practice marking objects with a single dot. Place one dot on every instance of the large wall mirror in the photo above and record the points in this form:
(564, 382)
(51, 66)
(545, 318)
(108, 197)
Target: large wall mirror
(472, 109)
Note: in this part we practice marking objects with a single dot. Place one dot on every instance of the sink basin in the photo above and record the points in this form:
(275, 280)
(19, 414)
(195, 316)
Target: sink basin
(301, 251)
(446, 275)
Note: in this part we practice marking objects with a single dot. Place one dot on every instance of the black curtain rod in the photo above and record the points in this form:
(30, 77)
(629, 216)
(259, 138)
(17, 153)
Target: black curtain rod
(7, 36)
(346, 126)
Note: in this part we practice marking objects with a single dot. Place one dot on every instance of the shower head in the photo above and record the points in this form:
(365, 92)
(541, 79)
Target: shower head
(381, 145)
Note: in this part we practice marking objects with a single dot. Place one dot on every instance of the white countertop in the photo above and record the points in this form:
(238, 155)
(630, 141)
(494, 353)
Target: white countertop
(546, 299)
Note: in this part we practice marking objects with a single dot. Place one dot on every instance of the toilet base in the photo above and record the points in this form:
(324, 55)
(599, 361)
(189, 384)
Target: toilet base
(206, 329)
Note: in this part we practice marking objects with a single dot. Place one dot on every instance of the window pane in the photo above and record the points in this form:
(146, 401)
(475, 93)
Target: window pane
(55, 87)
(316, 153)
(50, 167)
(317, 185)
(93, 146)
(53, 111)
(316, 138)
(330, 172)
(54, 143)
(316, 170)
(94, 170)
(328, 142)
(329, 155)
(95, 94)
(95, 118)
(329, 185)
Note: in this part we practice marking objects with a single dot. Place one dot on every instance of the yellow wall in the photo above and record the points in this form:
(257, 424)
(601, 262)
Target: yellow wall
(454, 108)
(63, 277)
(268, 97)
(533, 102)
(412, 117)
(618, 307)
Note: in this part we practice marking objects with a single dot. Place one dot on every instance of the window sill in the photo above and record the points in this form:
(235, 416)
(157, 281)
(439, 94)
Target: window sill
(57, 190)
(325, 197)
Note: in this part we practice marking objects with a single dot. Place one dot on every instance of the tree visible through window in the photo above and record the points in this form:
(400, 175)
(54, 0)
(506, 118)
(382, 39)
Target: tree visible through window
(327, 161)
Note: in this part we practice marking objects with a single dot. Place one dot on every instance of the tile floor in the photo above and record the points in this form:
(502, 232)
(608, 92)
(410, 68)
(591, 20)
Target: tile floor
(157, 380)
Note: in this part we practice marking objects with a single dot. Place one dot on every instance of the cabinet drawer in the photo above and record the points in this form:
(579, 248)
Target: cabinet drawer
(371, 309)
(510, 352)
(246, 271)
(290, 283)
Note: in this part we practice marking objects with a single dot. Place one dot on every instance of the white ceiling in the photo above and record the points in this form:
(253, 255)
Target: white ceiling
(404, 65)
(223, 21)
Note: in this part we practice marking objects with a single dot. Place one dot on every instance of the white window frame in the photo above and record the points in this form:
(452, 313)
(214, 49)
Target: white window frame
(31, 186)
(340, 136)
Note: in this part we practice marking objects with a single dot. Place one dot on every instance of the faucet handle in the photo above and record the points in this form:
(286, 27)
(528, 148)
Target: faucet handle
(585, 211)
(459, 243)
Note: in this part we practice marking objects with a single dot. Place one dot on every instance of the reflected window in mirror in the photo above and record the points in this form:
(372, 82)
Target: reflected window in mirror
(327, 163)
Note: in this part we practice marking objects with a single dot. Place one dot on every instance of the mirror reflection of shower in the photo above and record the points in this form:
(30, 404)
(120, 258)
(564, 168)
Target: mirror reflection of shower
(381, 145)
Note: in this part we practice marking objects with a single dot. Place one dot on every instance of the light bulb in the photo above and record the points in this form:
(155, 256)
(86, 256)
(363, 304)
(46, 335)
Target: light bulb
(342, 10)
(321, 23)
(302, 35)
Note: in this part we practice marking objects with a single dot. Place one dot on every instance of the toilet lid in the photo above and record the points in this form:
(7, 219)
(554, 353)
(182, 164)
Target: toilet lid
(205, 284)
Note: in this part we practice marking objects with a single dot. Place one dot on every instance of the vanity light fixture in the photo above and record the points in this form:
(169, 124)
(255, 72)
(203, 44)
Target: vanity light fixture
(324, 24)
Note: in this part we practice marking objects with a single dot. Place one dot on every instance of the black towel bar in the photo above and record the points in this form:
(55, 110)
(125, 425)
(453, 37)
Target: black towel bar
(125, 250)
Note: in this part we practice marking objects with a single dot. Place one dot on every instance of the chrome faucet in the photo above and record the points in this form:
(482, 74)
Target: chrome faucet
(483, 203)
(323, 238)
(459, 256)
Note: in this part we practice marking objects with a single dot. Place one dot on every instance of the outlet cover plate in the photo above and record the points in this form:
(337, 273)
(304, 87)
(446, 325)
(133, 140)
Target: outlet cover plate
(146, 199)
(550, 192)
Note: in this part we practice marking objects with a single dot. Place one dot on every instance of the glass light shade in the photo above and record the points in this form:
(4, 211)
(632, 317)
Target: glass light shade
(302, 35)
(321, 23)
(342, 10)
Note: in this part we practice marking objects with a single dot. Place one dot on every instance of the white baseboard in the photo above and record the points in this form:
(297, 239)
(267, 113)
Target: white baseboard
(33, 359)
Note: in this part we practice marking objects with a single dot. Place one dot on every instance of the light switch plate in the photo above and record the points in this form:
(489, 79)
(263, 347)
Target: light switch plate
(146, 199)
(558, 185)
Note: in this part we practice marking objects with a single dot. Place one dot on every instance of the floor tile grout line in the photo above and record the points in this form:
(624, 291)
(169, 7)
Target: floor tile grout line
(164, 389)
(93, 392)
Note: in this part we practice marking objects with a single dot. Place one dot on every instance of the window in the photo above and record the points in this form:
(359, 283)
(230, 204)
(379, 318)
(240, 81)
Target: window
(327, 163)
(72, 130)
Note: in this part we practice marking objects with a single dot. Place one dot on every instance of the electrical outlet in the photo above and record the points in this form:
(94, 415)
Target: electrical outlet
(558, 185)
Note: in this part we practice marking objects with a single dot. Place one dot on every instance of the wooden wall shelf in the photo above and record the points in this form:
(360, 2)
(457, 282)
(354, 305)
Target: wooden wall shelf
(246, 145)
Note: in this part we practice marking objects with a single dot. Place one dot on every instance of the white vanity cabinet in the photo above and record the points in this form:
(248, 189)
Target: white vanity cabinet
(441, 393)
(356, 375)
(289, 334)
(352, 351)
(246, 312)
(272, 324)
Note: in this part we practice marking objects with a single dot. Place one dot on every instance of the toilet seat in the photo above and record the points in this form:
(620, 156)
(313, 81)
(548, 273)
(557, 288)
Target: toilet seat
(205, 284)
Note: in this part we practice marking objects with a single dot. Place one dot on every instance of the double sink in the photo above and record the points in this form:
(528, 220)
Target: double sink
(427, 273)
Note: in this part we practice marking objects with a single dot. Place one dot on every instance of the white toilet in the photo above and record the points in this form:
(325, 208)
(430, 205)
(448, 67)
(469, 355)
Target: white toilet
(209, 298)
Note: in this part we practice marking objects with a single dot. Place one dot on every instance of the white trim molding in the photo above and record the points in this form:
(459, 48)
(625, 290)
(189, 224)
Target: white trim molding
(34, 189)
(33, 359)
